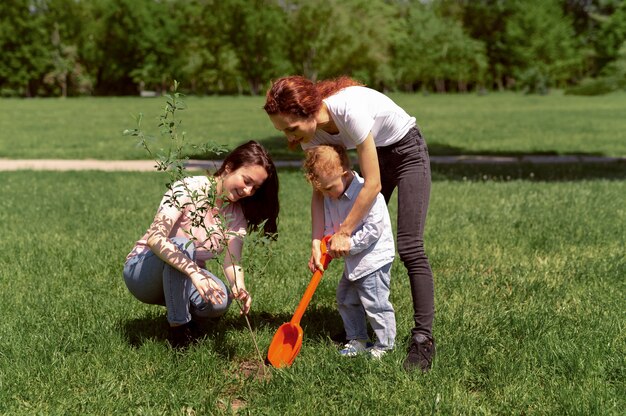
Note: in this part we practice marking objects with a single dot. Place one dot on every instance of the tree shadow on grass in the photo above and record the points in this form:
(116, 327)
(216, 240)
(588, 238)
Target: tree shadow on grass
(318, 322)
(565, 170)
(138, 331)
(147, 328)
(546, 172)
(441, 149)
(277, 148)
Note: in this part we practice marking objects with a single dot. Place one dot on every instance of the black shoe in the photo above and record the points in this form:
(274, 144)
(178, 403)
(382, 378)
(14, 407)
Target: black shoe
(182, 336)
(420, 353)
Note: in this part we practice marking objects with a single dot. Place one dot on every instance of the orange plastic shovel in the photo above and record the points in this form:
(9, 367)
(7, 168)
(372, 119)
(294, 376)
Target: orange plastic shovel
(287, 340)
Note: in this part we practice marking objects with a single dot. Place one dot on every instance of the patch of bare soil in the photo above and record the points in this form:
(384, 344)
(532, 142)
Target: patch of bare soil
(254, 369)
(246, 370)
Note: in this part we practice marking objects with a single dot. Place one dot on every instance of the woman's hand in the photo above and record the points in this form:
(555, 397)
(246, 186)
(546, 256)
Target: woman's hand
(208, 289)
(339, 245)
(242, 295)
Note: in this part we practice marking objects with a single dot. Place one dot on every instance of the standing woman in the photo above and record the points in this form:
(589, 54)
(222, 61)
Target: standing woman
(391, 153)
(197, 219)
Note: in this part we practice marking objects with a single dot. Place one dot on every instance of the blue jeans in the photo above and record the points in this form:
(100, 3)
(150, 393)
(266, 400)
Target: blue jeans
(153, 281)
(406, 165)
(368, 297)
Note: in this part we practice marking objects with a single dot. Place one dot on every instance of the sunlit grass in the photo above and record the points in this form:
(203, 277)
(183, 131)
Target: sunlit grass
(529, 297)
(496, 123)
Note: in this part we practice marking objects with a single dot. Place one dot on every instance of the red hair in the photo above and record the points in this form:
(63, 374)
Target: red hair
(301, 97)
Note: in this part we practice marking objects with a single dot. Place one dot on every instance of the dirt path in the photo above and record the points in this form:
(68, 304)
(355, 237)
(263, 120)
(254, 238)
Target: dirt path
(149, 165)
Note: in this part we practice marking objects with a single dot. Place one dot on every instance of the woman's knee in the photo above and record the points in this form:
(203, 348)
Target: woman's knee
(411, 250)
(203, 309)
(186, 246)
(211, 310)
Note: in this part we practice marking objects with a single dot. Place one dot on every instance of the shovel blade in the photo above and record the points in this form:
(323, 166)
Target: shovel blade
(285, 345)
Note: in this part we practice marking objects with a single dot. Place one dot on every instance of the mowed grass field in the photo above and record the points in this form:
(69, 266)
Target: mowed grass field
(529, 267)
(530, 288)
(495, 123)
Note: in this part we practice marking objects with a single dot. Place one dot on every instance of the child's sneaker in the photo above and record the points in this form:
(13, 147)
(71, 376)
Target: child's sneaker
(353, 348)
(376, 352)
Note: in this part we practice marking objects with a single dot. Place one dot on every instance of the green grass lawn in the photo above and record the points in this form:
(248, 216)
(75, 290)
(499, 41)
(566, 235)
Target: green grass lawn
(530, 295)
(496, 123)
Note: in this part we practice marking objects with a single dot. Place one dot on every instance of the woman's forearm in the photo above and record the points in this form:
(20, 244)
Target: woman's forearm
(167, 251)
(317, 216)
(359, 210)
(368, 162)
(171, 254)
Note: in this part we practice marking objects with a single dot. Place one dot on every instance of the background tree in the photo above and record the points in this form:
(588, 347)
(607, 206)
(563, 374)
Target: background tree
(24, 43)
(540, 41)
(64, 21)
(485, 20)
(434, 50)
(611, 35)
(334, 37)
(119, 47)
(132, 44)
(259, 38)
(210, 63)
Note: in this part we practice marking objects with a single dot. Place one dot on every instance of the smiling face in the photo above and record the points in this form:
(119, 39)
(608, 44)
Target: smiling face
(242, 182)
(298, 130)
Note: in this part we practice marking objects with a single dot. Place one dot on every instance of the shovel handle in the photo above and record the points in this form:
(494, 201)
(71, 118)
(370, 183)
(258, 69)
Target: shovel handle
(315, 280)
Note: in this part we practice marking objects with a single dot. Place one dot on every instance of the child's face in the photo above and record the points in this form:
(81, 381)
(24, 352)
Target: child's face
(332, 185)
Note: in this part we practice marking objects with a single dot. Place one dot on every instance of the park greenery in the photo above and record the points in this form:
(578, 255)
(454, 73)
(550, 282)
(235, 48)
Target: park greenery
(528, 262)
(529, 295)
(124, 47)
(498, 124)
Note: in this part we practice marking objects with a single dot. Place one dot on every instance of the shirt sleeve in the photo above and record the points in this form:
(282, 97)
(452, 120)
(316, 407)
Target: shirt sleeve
(352, 118)
(370, 231)
(328, 225)
(174, 201)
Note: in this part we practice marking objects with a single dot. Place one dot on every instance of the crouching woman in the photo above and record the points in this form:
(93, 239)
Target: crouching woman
(198, 218)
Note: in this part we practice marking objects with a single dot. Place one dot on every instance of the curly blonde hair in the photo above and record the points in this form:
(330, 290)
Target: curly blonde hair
(325, 159)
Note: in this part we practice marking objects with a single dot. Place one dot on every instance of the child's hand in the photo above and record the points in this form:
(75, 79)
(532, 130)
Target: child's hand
(244, 298)
(315, 262)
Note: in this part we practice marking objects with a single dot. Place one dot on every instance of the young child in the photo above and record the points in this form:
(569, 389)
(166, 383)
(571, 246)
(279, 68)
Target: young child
(363, 290)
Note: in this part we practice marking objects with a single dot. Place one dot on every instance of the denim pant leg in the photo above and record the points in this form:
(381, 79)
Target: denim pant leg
(406, 165)
(153, 281)
(201, 310)
(374, 295)
(181, 296)
(143, 275)
(351, 310)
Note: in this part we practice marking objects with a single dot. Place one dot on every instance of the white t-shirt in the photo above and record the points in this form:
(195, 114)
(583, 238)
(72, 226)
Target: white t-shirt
(357, 111)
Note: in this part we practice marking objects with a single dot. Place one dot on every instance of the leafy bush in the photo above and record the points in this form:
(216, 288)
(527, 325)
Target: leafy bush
(533, 81)
(594, 86)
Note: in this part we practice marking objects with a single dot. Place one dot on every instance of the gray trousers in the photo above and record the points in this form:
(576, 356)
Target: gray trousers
(406, 165)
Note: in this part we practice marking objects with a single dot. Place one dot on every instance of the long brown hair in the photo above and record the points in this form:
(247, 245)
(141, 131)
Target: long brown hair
(263, 204)
(301, 97)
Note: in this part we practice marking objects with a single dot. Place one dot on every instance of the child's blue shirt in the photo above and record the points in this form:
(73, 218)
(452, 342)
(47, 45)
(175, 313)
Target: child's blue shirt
(371, 243)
